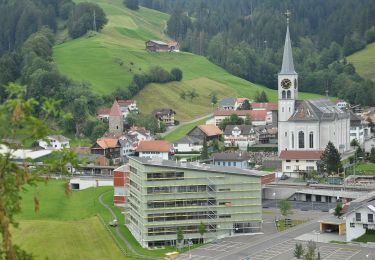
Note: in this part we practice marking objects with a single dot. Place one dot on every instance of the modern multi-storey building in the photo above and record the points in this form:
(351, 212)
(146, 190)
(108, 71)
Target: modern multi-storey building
(166, 196)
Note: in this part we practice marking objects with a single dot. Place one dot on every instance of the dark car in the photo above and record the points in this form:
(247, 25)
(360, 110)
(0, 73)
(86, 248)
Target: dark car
(284, 177)
(312, 182)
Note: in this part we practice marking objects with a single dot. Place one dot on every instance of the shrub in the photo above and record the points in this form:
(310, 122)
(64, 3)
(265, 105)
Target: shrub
(176, 74)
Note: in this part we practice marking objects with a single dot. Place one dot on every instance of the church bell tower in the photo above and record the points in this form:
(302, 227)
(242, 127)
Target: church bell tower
(287, 80)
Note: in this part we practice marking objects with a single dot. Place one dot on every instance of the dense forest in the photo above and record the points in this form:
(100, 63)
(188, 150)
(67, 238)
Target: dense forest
(27, 35)
(246, 38)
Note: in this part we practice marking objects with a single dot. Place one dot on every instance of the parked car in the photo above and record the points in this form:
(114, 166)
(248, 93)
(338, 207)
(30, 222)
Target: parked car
(312, 181)
(113, 223)
(284, 177)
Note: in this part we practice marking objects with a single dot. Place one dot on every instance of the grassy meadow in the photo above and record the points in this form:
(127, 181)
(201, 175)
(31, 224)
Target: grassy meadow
(364, 61)
(108, 60)
(70, 227)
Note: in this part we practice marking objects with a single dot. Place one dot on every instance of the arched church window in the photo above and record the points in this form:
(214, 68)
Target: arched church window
(301, 139)
(311, 140)
(283, 94)
(295, 84)
(289, 109)
(288, 94)
(292, 140)
(282, 109)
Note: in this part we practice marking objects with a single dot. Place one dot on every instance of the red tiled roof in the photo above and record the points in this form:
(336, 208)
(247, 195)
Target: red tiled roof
(103, 111)
(107, 143)
(125, 103)
(300, 155)
(210, 130)
(241, 100)
(255, 115)
(267, 106)
(154, 146)
(115, 110)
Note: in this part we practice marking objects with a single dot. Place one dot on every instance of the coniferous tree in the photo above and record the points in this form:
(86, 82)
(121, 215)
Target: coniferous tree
(204, 153)
(331, 159)
(132, 4)
(372, 155)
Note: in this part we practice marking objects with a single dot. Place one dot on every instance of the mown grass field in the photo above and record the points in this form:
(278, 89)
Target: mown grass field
(69, 227)
(64, 227)
(364, 61)
(109, 60)
(365, 168)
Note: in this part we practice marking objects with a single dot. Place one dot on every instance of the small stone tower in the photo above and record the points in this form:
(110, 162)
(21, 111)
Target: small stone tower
(116, 120)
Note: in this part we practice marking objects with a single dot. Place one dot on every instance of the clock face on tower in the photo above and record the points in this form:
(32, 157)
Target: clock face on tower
(286, 83)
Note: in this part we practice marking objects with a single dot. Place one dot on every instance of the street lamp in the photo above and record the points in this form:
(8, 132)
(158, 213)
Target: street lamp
(274, 195)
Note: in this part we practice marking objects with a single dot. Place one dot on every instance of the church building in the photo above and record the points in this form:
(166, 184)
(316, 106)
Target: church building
(305, 126)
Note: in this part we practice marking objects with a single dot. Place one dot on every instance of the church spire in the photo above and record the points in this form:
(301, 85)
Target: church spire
(288, 65)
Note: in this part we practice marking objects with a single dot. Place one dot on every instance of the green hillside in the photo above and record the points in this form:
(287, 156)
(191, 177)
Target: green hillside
(109, 59)
(364, 61)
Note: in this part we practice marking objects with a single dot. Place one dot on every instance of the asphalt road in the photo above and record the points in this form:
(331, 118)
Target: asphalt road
(276, 246)
(301, 205)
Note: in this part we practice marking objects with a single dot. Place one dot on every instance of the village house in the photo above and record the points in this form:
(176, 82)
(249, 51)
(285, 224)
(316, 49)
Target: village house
(342, 104)
(208, 132)
(231, 159)
(297, 163)
(359, 129)
(271, 108)
(240, 101)
(128, 145)
(160, 46)
(267, 134)
(188, 144)
(154, 149)
(54, 142)
(360, 216)
(164, 115)
(258, 117)
(109, 147)
(103, 113)
(240, 135)
(228, 104)
(140, 133)
(126, 106)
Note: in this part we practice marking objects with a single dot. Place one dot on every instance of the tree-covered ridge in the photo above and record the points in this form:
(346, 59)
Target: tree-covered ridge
(19, 19)
(246, 38)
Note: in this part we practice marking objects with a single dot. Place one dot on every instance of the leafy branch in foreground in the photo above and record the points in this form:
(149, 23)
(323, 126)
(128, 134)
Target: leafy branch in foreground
(23, 122)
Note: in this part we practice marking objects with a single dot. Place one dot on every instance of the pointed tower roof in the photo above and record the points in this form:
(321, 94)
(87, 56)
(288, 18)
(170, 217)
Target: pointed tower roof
(115, 110)
(288, 65)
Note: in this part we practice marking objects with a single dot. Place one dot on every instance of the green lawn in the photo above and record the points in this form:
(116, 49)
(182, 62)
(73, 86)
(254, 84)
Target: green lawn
(109, 60)
(364, 61)
(365, 168)
(183, 130)
(75, 217)
(365, 238)
(282, 226)
(54, 239)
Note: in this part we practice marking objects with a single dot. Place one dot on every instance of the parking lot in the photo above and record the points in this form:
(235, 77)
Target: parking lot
(285, 250)
(301, 205)
(282, 251)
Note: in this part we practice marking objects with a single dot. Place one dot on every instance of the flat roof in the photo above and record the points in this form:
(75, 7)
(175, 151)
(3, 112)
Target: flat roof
(22, 154)
(332, 220)
(197, 166)
(332, 193)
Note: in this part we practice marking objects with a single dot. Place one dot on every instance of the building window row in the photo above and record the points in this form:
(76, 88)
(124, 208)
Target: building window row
(157, 231)
(178, 189)
(135, 185)
(159, 176)
(182, 216)
(133, 170)
(182, 203)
